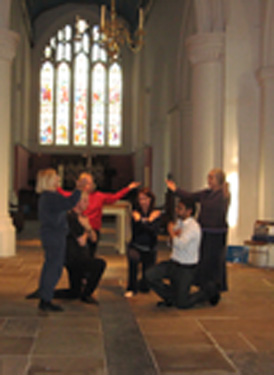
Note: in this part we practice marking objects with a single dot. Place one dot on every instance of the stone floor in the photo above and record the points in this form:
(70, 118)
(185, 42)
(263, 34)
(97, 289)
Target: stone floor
(133, 337)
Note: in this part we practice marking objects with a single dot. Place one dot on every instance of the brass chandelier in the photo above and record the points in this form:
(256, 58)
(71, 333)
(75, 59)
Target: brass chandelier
(114, 33)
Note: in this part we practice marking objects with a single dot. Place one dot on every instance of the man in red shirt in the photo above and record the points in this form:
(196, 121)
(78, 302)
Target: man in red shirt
(97, 200)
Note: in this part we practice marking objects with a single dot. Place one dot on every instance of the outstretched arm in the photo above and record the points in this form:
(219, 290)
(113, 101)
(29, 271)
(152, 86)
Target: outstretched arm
(113, 197)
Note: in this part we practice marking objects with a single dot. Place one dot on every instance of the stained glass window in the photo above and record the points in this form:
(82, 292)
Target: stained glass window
(80, 90)
(80, 100)
(46, 104)
(62, 104)
(98, 104)
(115, 105)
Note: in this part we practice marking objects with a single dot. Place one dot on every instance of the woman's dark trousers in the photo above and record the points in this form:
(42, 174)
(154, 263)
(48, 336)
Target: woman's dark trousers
(135, 257)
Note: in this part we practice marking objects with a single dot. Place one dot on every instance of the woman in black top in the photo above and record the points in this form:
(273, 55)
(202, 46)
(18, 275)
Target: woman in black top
(142, 247)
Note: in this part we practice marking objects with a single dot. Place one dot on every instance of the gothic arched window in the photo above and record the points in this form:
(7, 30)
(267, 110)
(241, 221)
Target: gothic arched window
(80, 91)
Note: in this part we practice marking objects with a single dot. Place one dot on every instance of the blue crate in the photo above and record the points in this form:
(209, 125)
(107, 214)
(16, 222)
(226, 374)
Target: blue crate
(237, 254)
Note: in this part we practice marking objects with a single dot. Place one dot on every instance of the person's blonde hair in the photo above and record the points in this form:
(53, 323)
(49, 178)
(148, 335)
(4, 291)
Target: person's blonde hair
(221, 179)
(45, 179)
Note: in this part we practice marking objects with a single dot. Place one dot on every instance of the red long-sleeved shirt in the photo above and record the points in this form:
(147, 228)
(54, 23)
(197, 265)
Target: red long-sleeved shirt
(96, 201)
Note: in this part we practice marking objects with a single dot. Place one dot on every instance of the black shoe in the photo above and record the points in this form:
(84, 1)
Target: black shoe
(215, 299)
(143, 286)
(89, 299)
(33, 295)
(164, 303)
(212, 293)
(144, 289)
(49, 306)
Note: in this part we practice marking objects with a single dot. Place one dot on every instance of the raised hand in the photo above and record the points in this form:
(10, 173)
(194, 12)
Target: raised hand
(154, 215)
(134, 185)
(136, 216)
(171, 185)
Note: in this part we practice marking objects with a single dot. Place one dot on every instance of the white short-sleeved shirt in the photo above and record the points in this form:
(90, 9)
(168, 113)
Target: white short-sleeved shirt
(186, 246)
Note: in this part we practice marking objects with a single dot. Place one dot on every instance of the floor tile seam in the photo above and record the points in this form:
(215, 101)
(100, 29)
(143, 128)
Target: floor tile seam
(249, 343)
(198, 317)
(2, 327)
(181, 346)
(17, 336)
(172, 334)
(30, 354)
(105, 368)
(219, 348)
(268, 283)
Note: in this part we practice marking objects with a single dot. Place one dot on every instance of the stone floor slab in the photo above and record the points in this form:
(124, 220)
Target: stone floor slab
(67, 365)
(85, 323)
(20, 327)
(13, 365)
(69, 342)
(182, 359)
(15, 346)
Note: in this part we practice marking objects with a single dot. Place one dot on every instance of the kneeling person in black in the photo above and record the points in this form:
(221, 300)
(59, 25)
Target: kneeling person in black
(84, 270)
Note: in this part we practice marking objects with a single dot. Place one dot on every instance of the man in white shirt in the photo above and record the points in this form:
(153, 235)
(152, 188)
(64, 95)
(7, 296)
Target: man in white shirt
(180, 270)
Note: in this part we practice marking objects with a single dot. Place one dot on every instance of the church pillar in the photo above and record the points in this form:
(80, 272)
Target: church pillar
(266, 203)
(8, 43)
(205, 52)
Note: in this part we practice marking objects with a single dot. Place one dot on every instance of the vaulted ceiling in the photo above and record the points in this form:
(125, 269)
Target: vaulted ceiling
(127, 9)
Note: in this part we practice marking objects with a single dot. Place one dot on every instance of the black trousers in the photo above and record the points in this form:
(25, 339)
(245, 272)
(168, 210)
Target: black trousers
(212, 264)
(88, 269)
(136, 257)
(177, 291)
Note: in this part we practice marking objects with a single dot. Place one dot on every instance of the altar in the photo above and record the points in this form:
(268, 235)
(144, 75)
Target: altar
(122, 212)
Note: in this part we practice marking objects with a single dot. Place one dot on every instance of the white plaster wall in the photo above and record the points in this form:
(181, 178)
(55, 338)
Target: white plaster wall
(241, 124)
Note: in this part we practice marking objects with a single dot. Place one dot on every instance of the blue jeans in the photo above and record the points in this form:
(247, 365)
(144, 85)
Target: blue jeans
(54, 248)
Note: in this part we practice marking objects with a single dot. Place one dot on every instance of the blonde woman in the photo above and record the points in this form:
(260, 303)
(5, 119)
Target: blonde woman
(214, 203)
(52, 210)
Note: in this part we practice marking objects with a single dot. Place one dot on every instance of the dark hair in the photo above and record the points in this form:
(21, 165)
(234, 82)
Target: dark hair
(189, 204)
(150, 195)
